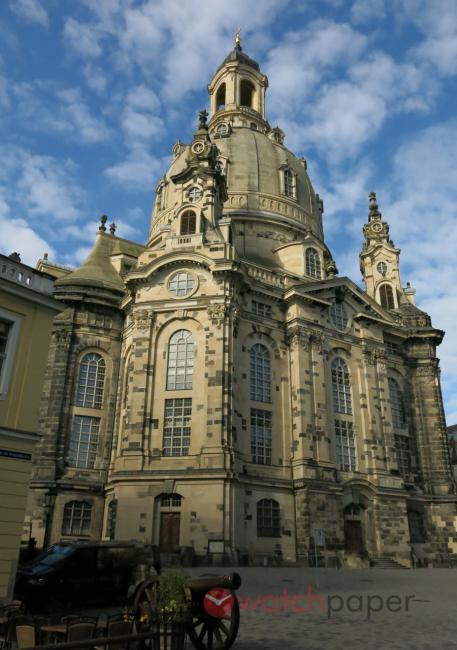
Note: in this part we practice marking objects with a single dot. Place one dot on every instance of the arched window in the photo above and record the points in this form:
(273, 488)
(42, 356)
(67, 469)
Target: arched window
(220, 97)
(397, 405)
(289, 183)
(170, 500)
(313, 263)
(341, 387)
(246, 93)
(260, 373)
(188, 223)
(91, 381)
(180, 361)
(268, 520)
(76, 518)
(386, 296)
(111, 519)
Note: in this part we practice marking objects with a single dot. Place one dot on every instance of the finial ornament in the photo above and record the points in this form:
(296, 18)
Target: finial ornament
(112, 228)
(103, 220)
(373, 207)
(238, 38)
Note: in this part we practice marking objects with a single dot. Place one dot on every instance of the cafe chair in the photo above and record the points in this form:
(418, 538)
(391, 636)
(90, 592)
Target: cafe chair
(117, 625)
(81, 628)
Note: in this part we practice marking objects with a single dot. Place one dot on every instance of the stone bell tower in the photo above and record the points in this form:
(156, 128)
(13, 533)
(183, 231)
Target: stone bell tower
(380, 261)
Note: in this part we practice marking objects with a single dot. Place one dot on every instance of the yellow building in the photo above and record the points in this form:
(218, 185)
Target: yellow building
(27, 309)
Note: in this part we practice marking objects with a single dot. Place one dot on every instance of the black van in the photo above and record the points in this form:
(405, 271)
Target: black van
(73, 573)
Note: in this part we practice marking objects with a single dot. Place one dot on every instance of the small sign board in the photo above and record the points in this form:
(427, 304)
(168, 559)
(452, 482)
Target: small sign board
(216, 546)
(319, 537)
(17, 455)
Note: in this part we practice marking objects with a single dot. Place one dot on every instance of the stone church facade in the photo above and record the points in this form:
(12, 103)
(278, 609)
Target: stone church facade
(221, 388)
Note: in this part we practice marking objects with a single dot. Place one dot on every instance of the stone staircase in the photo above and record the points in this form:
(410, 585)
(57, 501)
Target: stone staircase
(383, 562)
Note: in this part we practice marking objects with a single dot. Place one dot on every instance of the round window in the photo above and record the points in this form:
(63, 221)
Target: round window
(222, 129)
(181, 284)
(382, 268)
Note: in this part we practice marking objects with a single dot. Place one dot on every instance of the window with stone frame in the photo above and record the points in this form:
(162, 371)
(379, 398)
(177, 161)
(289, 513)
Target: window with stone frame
(397, 405)
(416, 524)
(188, 223)
(289, 183)
(386, 296)
(313, 263)
(111, 519)
(403, 453)
(261, 309)
(177, 426)
(91, 381)
(261, 436)
(338, 315)
(77, 517)
(5, 331)
(268, 518)
(181, 283)
(170, 500)
(84, 441)
(260, 377)
(341, 387)
(180, 361)
(345, 445)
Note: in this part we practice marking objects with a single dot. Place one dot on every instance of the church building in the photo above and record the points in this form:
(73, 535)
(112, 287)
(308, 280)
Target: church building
(221, 389)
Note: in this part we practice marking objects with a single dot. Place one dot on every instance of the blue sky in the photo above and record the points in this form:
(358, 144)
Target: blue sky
(93, 94)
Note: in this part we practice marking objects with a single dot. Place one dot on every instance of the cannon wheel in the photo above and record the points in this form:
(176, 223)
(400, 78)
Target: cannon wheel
(145, 596)
(208, 633)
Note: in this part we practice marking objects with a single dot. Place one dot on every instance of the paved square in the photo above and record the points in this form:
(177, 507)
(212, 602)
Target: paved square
(298, 609)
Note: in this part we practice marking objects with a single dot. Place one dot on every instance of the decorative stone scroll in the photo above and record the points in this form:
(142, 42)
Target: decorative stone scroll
(63, 338)
(298, 337)
(143, 319)
(217, 313)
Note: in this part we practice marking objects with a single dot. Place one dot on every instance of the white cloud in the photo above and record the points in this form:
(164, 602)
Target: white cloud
(137, 171)
(365, 11)
(95, 78)
(31, 10)
(83, 38)
(88, 128)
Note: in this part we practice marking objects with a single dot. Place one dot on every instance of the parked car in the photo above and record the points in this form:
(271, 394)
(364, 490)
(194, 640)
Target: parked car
(72, 573)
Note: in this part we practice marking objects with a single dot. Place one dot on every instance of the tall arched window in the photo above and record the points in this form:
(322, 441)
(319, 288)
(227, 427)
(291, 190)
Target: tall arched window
(246, 93)
(91, 381)
(341, 387)
(260, 373)
(180, 361)
(188, 223)
(220, 97)
(76, 518)
(111, 519)
(268, 519)
(386, 296)
(313, 263)
(289, 183)
(397, 405)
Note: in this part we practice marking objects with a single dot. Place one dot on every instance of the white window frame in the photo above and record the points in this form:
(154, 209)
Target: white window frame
(346, 448)
(10, 351)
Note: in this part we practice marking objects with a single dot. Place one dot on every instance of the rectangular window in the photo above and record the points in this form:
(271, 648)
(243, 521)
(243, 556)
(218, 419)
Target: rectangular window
(177, 427)
(9, 331)
(391, 348)
(5, 329)
(261, 436)
(345, 445)
(261, 309)
(84, 441)
(403, 451)
(76, 519)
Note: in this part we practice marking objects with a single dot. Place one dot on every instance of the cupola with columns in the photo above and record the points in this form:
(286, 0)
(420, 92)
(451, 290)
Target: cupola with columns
(237, 90)
(380, 262)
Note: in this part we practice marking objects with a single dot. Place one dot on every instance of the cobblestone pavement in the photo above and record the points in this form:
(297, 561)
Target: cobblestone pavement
(310, 609)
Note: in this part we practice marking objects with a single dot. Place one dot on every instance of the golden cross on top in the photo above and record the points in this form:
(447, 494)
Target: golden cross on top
(237, 36)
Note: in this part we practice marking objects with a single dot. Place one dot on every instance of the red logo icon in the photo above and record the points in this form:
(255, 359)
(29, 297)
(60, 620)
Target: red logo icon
(218, 602)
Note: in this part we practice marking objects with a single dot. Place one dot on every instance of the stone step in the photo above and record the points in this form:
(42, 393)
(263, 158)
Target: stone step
(380, 562)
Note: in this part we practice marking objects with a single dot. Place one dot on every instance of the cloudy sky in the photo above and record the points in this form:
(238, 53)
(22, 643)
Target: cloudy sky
(93, 94)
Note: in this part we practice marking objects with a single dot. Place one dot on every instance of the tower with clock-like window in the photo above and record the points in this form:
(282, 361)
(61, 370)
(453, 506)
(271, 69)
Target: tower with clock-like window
(220, 383)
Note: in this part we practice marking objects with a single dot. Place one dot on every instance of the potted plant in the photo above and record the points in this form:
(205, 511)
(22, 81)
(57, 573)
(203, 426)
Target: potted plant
(169, 615)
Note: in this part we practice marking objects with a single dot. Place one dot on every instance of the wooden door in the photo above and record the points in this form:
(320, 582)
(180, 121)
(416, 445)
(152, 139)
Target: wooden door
(353, 535)
(169, 531)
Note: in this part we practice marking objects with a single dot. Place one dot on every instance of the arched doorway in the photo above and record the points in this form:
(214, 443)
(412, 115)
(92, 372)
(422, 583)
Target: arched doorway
(353, 535)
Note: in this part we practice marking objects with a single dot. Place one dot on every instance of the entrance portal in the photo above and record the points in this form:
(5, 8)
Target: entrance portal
(169, 531)
(353, 537)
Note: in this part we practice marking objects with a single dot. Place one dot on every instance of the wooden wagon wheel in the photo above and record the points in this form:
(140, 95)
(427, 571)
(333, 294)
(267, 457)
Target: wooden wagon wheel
(145, 602)
(208, 633)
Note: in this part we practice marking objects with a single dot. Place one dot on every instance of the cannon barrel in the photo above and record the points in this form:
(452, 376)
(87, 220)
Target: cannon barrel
(231, 581)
